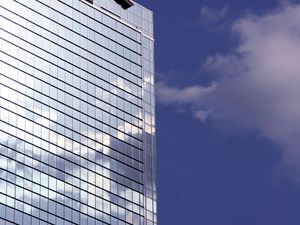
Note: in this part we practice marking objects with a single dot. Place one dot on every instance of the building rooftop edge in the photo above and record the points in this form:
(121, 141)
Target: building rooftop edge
(125, 3)
(120, 19)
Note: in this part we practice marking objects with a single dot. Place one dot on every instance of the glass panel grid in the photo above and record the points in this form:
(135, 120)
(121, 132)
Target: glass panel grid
(77, 121)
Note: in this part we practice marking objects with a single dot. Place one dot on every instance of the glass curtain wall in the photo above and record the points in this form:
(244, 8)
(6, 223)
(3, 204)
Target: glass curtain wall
(77, 113)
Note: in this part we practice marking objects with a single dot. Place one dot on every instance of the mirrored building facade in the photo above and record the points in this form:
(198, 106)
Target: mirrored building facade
(77, 123)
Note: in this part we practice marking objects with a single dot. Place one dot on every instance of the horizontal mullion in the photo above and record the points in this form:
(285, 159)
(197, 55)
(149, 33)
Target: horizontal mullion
(54, 131)
(71, 107)
(63, 59)
(64, 181)
(77, 97)
(118, 161)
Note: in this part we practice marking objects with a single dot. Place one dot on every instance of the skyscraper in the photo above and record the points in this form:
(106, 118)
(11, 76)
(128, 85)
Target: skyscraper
(77, 125)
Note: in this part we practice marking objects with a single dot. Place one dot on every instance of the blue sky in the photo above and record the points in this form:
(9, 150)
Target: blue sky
(228, 111)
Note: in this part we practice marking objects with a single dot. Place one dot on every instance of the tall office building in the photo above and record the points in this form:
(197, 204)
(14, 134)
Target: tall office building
(77, 127)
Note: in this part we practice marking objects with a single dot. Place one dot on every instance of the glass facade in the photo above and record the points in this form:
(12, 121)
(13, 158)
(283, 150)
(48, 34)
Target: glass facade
(77, 121)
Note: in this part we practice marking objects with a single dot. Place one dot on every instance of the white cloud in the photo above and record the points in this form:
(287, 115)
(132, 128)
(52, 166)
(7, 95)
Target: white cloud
(212, 15)
(202, 115)
(187, 95)
(259, 83)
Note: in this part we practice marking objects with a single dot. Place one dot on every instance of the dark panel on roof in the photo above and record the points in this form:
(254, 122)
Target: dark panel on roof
(124, 3)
